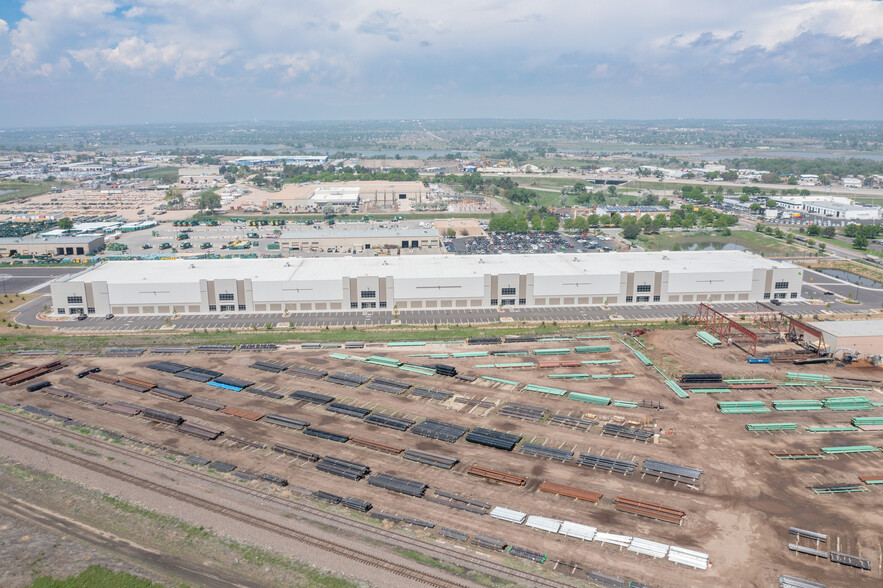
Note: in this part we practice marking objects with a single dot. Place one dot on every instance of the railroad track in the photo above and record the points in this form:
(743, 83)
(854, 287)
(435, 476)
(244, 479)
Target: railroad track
(307, 510)
(240, 516)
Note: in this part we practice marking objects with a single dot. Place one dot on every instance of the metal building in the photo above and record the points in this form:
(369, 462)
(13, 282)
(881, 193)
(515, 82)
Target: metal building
(425, 281)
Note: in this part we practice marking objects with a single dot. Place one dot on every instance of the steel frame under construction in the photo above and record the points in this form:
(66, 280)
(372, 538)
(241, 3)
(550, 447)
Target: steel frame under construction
(797, 331)
(723, 327)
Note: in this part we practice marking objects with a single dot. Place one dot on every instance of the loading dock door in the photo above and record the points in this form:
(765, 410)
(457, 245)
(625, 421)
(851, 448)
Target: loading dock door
(415, 244)
(404, 244)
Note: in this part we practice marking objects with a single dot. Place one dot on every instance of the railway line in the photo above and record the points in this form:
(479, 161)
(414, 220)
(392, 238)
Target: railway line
(308, 511)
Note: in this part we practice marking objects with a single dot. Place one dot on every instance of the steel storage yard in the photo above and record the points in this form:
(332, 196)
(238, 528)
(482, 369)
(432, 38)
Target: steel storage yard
(431, 281)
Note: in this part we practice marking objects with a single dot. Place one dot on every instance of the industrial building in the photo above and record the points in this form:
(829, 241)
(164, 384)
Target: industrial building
(54, 246)
(380, 194)
(343, 240)
(836, 207)
(862, 338)
(426, 281)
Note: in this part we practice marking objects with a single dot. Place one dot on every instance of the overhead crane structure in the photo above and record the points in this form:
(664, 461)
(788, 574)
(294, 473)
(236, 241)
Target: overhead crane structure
(724, 328)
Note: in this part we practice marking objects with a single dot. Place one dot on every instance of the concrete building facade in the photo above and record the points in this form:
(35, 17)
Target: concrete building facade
(864, 336)
(55, 246)
(421, 282)
(342, 240)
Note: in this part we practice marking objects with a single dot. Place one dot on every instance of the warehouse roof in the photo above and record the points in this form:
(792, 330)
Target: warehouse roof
(343, 233)
(862, 328)
(423, 266)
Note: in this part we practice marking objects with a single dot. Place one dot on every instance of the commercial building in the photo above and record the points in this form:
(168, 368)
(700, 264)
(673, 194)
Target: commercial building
(54, 246)
(836, 207)
(381, 194)
(353, 239)
(864, 336)
(426, 281)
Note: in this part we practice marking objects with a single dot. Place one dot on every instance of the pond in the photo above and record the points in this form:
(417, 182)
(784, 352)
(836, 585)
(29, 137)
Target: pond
(850, 277)
(2, 192)
(715, 246)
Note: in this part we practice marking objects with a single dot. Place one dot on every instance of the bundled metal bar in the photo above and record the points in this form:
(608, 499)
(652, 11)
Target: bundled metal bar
(382, 420)
(401, 485)
(488, 474)
(808, 534)
(294, 452)
(284, 421)
(570, 492)
(491, 438)
(543, 451)
(343, 468)
(808, 550)
(432, 459)
(439, 430)
(602, 462)
(382, 447)
(311, 397)
(322, 434)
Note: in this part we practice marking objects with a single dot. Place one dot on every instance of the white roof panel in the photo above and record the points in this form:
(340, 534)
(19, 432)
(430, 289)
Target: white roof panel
(422, 266)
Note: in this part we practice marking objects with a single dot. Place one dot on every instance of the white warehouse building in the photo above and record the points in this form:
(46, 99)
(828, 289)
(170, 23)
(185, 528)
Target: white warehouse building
(419, 282)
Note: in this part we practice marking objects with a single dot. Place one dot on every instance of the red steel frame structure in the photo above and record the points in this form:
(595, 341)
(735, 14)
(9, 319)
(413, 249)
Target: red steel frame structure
(722, 326)
(800, 338)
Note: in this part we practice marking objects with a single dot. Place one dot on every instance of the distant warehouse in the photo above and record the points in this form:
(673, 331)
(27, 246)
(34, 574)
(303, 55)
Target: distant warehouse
(349, 239)
(52, 246)
(425, 281)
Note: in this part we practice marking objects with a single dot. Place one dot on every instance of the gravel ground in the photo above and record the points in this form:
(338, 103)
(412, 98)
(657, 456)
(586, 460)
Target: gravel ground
(28, 551)
(242, 561)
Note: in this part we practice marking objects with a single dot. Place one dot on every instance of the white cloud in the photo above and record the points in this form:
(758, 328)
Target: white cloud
(130, 53)
(4, 27)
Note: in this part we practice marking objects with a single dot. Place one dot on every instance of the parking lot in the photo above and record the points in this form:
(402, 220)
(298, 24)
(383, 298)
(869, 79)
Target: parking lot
(531, 242)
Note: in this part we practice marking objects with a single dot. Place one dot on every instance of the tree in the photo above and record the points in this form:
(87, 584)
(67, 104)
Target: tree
(580, 224)
(592, 221)
(65, 224)
(676, 247)
(822, 246)
(829, 232)
(450, 233)
(755, 207)
(612, 191)
(550, 224)
(174, 196)
(770, 178)
(860, 242)
(744, 198)
(631, 230)
(209, 201)
(770, 203)
(813, 231)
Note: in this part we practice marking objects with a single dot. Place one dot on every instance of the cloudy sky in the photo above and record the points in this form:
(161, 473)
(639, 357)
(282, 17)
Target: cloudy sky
(66, 62)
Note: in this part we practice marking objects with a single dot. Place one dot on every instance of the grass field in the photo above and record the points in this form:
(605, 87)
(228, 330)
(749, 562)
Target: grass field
(750, 240)
(25, 189)
(95, 577)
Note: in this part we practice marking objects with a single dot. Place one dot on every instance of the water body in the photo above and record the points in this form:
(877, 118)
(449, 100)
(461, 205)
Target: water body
(715, 246)
(2, 192)
(851, 278)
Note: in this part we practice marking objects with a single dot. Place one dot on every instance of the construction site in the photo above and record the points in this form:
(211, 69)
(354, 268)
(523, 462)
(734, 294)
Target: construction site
(666, 458)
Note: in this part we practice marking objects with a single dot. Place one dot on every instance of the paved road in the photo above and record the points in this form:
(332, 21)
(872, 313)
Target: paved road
(28, 279)
(234, 320)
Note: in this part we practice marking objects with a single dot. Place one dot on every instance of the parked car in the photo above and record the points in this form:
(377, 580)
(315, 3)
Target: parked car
(81, 317)
(108, 316)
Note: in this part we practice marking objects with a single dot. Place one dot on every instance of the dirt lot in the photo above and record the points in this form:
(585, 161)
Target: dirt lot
(739, 516)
